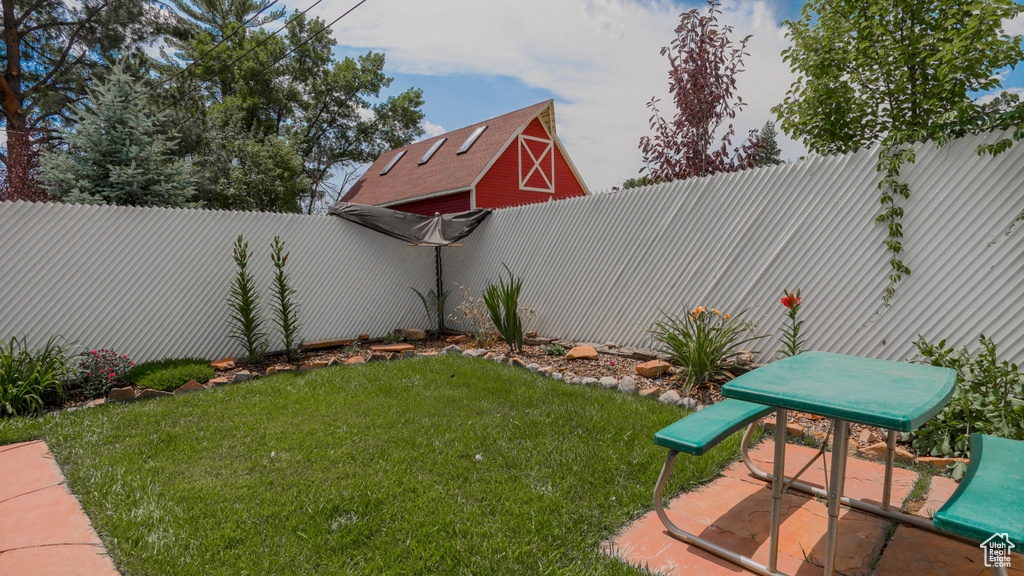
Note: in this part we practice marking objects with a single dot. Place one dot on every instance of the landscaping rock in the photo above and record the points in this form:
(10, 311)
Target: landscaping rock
(500, 358)
(546, 370)
(530, 335)
(355, 360)
(628, 385)
(190, 386)
(652, 369)
(312, 365)
(334, 360)
(218, 382)
(570, 376)
(938, 463)
(406, 354)
(878, 451)
(670, 397)
(96, 402)
(590, 382)
(453, 349)
(243, 376)
(411, 334)
(478, 352)
(651, 393)
(391, 347)
(381, 356)
(223, 364)
(610, 345)
(557, 375)
(490, 356)
(457, 339)
(364, 337)
(280, 368)
(608, 382)
(575, 381)
(126, 394)
(326, 344)
(517, 362)
(533, 367)
(150, 393)
(427, 354)
(688, 403)
(582, 353)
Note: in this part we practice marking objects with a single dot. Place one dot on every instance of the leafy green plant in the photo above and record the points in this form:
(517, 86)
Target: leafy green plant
(286, 312)
(989, 399)
(170, 373)
(503, 304)
(100, 370)
(28, 376)
(353, 348)
(247, 326)
(792, 344)
(704, 342)
(391, 338)
(434, 305)
(555, 350)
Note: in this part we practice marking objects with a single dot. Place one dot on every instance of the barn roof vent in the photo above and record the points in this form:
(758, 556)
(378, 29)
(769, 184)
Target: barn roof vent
(433, 149)
(472, 138)
(393, 162)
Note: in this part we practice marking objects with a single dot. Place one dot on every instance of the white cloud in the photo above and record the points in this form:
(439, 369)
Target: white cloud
(430, 129)
(600, 58)
(993, 95)
(1014, 26)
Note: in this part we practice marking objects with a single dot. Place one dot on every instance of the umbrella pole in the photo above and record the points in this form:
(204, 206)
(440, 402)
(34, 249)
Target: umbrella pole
(440, 306)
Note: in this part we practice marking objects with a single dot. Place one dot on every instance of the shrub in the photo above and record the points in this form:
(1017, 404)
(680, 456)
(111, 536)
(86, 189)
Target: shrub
(169, 374)
(989, 399)
(28, 376)
(475, 314)
(503, 304)
(247, 327)
(100, 370)
(555, 350)
(286, 313)
(704, 342)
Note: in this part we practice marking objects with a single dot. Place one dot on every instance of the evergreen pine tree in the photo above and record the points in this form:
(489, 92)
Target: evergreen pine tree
(768, 153)
(115, 153)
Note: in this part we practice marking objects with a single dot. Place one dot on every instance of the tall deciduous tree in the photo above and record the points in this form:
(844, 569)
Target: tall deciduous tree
(115, 153)
(768, 152)
(50, 49)
(899, 69)
(702, 80)
(896, 72)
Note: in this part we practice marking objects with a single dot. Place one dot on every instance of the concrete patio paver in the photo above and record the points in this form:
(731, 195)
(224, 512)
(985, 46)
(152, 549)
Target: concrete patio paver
(735, 509)
(44, 529)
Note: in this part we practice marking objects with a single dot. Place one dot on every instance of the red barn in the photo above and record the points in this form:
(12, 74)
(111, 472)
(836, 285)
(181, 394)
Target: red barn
(505, 161)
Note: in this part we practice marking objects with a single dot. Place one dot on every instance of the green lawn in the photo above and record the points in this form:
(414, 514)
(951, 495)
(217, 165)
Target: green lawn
(369, 470)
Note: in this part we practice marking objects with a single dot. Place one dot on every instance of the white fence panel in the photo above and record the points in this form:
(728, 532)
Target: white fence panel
(601, 268)
(153, 282)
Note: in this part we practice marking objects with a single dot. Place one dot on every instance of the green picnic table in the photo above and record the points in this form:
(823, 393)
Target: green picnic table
(896, 396)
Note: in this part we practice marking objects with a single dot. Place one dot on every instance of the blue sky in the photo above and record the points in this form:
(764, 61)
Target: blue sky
(598, 59)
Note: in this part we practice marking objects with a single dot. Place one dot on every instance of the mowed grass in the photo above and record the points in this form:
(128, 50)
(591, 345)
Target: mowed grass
(369, 470)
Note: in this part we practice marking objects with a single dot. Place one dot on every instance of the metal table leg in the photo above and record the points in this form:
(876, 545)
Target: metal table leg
(835, 493)
(778, 477)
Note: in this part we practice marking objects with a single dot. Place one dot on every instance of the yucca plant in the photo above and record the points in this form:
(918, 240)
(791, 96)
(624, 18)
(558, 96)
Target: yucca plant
(434, 305)
(704, 342)
(286, 312)
(27, 376)
(503, 303)
(247, 327)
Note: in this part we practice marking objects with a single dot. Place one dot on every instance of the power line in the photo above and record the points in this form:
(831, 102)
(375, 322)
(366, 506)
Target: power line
(278, 61)
(247, 52)
(215, 46)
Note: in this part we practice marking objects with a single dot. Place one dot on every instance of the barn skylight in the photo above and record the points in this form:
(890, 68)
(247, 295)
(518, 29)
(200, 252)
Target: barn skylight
(472, 138)
(393, 162)
(432, 150)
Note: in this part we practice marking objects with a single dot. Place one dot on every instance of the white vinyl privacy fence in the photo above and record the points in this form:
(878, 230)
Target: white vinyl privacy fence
(153, 282)
(601, 268)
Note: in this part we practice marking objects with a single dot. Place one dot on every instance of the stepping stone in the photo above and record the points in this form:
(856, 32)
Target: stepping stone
(391, 347)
